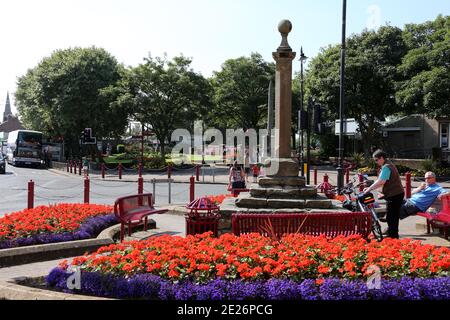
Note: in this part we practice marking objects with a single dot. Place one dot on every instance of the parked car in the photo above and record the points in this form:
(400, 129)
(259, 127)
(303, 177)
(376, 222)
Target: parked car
(2, 164)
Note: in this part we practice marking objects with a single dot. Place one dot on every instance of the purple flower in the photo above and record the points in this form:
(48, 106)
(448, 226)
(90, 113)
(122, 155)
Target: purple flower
(309, 290)
(147, 286)
(214, 290)
(280, 289)
(90, 228)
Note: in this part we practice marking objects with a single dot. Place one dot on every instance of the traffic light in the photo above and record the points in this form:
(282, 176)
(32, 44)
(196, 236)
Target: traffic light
(87, 135)
(302, 120)
(317, 119)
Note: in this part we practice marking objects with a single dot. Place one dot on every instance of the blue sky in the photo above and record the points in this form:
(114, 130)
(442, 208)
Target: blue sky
(209, 31)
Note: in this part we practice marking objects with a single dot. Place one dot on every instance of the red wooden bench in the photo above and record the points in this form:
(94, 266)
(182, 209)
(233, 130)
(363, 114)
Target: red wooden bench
(330, 224)
(133, 210)
(441, 220)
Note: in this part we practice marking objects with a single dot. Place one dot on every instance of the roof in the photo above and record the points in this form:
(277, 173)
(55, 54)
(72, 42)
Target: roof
(413, 120)
(12, 124)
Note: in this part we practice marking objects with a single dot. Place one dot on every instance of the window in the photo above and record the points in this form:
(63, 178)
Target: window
(444, 135)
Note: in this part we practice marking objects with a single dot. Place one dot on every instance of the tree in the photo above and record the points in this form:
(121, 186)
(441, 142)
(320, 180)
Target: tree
(240, 92)
(370, 76)
(62, 95)
(165, 94)
(425, 69)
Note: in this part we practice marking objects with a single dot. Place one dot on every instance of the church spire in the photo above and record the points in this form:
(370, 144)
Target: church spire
(7, 108)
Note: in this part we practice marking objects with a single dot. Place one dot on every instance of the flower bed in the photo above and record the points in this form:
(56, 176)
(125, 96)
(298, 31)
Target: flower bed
(147, 286)
(202, 267)
(219, 198)
(56, 223)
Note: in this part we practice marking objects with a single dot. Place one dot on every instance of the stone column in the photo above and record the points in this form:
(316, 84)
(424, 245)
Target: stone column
(282, 164)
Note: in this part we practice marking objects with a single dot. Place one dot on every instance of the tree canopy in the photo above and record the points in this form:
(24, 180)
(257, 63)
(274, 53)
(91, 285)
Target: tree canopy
(240, 92)
(167, 94)
(425, 69)
(370, 76)
(62, 95)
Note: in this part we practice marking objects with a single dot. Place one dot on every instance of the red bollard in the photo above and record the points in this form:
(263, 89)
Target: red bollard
(197, 173)
(86, 190)
(30, 194)
(140, 169)
(103, 171)
(75, 165)
(191, 189)
(408, 185)
(140, 185)
(347, 176)
(67, 166)
(169, 171)
(361, 180)
(315, 176)
(71, 165)
(120, 171)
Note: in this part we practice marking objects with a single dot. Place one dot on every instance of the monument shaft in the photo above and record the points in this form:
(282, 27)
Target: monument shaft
(283, 102)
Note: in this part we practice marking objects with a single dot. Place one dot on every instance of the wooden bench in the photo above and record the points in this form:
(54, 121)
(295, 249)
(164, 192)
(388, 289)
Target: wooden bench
(330, 224)
(133, 210)
(440, 220)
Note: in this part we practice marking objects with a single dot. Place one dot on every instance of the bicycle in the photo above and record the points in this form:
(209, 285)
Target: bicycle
(361, 202)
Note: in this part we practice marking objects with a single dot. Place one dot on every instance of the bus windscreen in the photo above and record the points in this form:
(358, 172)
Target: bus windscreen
(29, 145)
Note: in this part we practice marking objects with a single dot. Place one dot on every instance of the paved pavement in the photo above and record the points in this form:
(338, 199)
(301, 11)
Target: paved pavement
(53, 186)
(174, 225)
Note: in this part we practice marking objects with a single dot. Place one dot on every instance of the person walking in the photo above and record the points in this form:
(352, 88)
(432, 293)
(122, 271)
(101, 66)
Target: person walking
(236, 177)
(392, 190)
(255, 170)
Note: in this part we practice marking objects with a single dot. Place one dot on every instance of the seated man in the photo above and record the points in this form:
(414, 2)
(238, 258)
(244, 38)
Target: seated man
(422, 197)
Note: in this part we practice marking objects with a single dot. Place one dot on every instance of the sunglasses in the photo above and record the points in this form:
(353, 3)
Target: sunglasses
(426, 178)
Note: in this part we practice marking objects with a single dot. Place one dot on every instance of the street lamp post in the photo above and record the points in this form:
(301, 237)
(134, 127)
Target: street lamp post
(302, 60)
(309, 108)
(340, 168)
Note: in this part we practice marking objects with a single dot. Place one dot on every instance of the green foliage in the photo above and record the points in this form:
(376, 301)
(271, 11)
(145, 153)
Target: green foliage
(425, 83)
(357, 158)
(120, 148)
(63, 94)
(165, 94)
(328, 145)
(428, 165)
(371, 63)
(154, 161)
(240, 92)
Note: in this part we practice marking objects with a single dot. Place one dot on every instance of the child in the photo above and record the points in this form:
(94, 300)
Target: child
(86, 167)
(255, 170)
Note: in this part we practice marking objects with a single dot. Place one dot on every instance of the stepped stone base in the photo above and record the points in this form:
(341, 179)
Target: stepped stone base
(318, 202)
(283, 192)
(281, 167)
(281, 182)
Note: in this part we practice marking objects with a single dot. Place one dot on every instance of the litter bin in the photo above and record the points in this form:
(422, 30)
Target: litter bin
(203, 216)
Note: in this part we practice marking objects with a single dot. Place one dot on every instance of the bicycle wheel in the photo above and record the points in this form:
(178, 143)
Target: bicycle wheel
(376, 230)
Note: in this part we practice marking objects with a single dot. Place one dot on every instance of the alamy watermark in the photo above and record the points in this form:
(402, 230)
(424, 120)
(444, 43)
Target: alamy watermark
(374, 281)
(244, 146)
(74, 280)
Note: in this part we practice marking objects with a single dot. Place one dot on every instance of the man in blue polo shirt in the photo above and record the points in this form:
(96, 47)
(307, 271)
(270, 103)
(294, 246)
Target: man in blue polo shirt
(423, 197)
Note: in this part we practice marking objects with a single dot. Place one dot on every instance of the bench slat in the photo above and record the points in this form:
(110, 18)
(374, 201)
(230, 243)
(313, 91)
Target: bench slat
(321, 223)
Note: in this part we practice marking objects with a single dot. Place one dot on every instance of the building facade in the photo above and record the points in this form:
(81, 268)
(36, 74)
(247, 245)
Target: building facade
(417, 137)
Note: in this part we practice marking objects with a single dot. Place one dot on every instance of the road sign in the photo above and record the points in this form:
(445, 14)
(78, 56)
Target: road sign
(350, 127)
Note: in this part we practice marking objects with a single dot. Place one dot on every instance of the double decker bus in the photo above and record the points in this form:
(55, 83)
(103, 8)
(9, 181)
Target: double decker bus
(24, 148)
